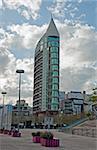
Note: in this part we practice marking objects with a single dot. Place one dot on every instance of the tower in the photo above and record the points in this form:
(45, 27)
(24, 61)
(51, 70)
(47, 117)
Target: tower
(46, 71)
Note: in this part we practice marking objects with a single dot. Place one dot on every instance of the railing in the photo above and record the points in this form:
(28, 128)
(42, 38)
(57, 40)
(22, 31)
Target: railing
(77, 122)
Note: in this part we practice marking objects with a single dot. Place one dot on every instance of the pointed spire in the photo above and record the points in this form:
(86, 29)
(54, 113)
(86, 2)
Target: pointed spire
(52, 30)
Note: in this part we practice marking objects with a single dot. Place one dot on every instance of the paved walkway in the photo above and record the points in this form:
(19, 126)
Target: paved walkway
(67, 142)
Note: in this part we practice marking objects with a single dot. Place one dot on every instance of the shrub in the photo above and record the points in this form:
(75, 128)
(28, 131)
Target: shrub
(47, 135)
(36, 133)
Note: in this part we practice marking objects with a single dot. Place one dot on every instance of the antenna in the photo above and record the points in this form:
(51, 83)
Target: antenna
(51, 16)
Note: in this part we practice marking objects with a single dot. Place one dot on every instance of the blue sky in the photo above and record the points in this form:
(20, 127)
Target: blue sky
(87, 7)
(22, 23)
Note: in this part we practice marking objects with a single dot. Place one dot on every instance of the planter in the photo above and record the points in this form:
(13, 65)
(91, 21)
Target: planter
(1, 131)
(16, 134)
(49, 142)
(10, 132)
(36, 139)
(5, 131)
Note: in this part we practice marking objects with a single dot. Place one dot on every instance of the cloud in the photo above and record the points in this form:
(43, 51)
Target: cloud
(29, 34)
(78, 57)
(78, 44)
(1, 4)
(8, 66)
(67, 9)
(28, 9)
(78, 78)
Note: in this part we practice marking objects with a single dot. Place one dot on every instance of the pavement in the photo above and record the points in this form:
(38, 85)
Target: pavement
(67, 142)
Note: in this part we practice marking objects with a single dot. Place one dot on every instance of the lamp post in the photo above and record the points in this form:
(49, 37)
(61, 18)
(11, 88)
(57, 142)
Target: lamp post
(2, 116)
(20, 72)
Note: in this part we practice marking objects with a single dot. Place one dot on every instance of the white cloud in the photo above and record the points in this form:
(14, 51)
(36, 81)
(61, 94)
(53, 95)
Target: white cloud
(28, 9)
(8, 66)
(78, 78)
(25, 14)
(78, 57)
(1, 4)
(29, 34)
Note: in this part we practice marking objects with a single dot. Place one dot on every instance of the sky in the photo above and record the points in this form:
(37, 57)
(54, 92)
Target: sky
(22, 24)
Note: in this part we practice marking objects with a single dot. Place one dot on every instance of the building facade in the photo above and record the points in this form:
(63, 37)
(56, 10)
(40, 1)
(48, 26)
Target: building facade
(6, 116)
(61, 100)
(24, 115)
(46, 71)
(74, 102)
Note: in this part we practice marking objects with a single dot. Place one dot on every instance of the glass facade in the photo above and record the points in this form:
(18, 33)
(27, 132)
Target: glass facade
(53, 44)
(46, 71)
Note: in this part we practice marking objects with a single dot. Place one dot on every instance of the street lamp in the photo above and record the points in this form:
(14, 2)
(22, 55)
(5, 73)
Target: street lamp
(2, 116)
(20, 72)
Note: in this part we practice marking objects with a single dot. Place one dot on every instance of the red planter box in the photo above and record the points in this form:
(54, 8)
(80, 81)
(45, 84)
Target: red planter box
(49, 142)
(16, 134)
(5, 131)
(1, 131)
(36, 139)
(10, 132)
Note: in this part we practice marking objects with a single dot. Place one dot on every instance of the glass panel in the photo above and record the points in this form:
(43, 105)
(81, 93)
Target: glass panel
(55, 44)
(53, 38)
(54, 55)
(55, 93)
(54, 80)
(55, 87)
(54, 67)
(55, 99)
(55, 73)
(54, 49)
(49, 43)
(54, 61)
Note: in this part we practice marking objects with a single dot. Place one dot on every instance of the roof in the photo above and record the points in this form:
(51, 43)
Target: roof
(52, 30)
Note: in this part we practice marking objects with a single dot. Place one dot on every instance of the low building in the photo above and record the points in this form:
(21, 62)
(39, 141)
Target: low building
(22, 114)
(74, 102)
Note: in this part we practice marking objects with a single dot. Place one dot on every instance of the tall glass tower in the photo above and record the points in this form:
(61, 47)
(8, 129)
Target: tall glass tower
(46, 71)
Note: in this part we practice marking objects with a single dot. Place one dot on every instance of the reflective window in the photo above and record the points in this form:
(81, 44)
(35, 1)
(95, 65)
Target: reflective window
(55, 86)
(54, 55)
(54, 80)
(55, 73)
(55, 93)
(53, 43)
(54, 67)
(54, 99)
(54, 49)
(54, 61)
(53, 38)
